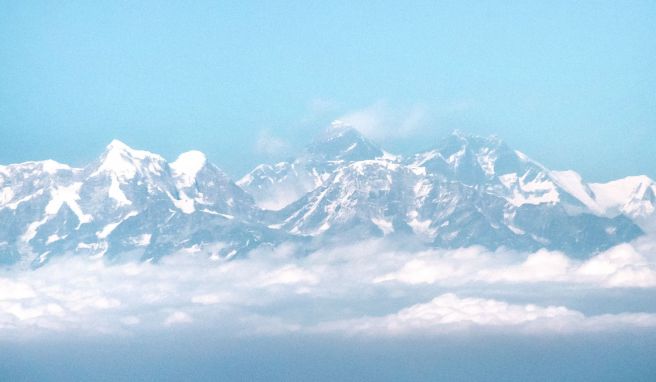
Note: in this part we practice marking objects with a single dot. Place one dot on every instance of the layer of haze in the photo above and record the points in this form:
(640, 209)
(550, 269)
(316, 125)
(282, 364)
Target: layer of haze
(181, 357)
(569, 83)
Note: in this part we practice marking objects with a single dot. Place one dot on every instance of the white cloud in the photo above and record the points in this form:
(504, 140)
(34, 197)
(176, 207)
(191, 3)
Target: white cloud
(380, 283)
(289, 274)
(178, 317)
(318, 110)
(380, 121)
(268, 144)
(538, 267)
(448, 312)
(620, 266)
(15, 290)
(208, 299)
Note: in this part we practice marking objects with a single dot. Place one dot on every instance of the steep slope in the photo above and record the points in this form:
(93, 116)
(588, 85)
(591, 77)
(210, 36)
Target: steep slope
(633, 196)
(499, 196)
(31, 195)
(468, 190)
(126, 202)
(276, 186)
(367, 196)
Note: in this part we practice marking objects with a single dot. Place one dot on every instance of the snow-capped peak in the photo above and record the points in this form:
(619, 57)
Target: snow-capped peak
(338, 129)
(461, 138)
(341, 141)
(626, 194)
(187, 166)
(116, 147)
(125, 162)
(115, 144)
(467, 190)
(48, 166)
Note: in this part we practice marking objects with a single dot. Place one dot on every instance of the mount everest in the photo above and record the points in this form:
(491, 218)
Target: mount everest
(466, 190)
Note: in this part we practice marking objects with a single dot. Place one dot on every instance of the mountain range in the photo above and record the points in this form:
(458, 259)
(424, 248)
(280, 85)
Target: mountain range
(466, 190)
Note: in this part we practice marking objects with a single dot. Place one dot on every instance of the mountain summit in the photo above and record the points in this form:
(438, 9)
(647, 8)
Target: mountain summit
(341, 142)
(466, 190)
(276, 186)
(126, 202)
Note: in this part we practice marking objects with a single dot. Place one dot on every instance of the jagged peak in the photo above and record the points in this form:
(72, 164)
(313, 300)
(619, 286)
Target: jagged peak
(474, 158)
(49, 166)
(460, 141)
(116, 144)
(117, 147)
(475, 139)
(124, 161)
(638, 185)
(341, 141)
(640, 179)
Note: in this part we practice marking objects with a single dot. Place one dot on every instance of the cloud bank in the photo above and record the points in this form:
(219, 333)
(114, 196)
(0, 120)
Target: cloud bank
(365, 288)
(620, 266)
(448, 313)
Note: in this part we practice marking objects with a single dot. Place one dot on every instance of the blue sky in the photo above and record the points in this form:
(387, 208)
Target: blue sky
(572, 84)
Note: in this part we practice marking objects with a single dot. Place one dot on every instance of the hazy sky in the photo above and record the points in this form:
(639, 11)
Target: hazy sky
(572, 84)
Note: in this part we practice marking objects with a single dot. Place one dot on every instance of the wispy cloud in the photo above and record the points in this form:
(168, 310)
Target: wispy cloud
(269, 144)
(381, 121)
(318, 110)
